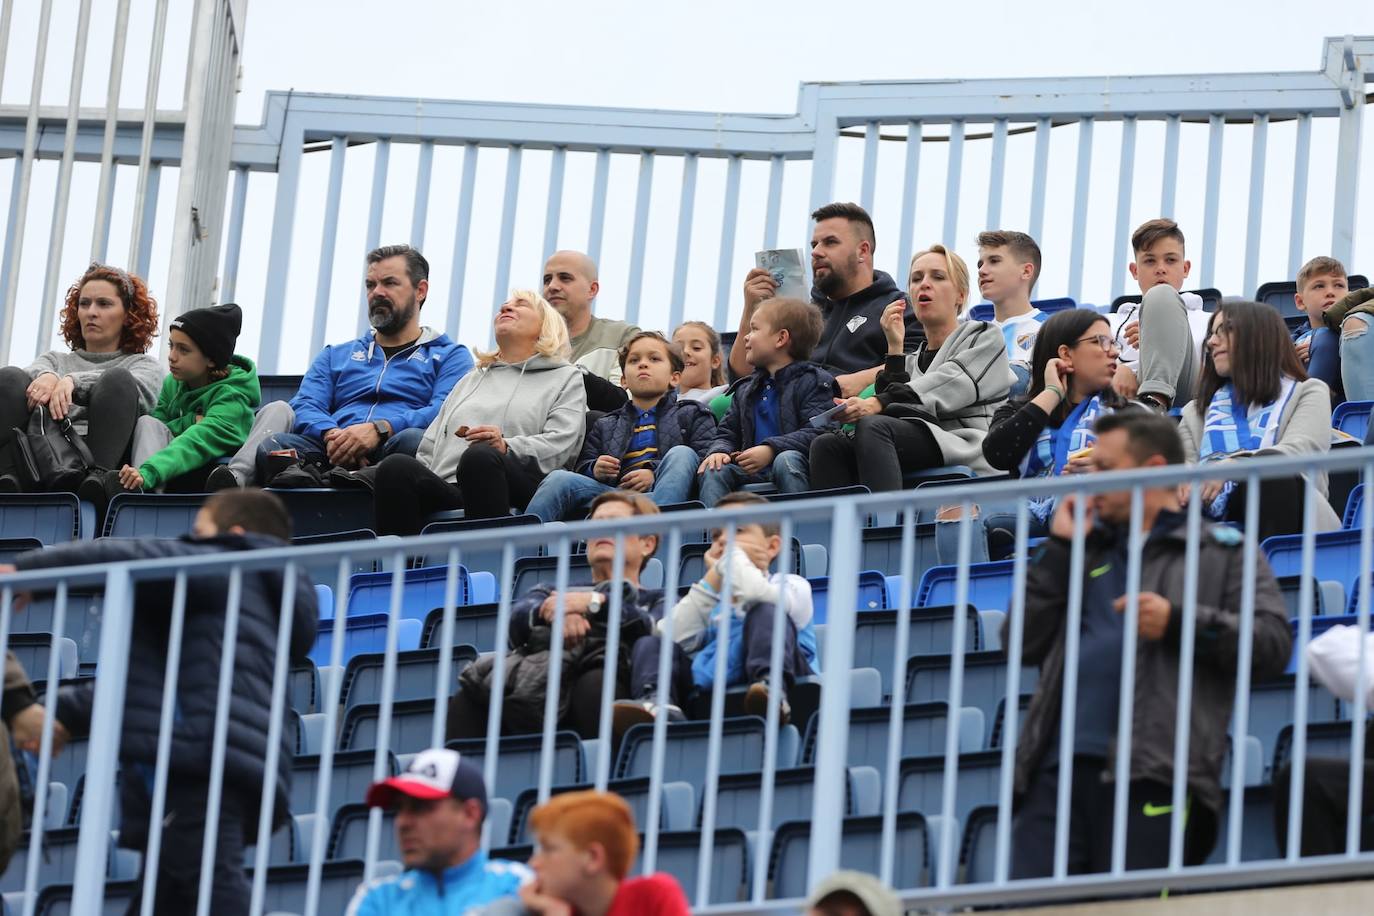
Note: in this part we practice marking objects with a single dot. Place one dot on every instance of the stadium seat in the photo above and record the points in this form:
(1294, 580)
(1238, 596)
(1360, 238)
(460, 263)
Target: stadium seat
(487, 557)
(1352, 417)
(989, 585)
(327, 511)
(364, 634)
(872, 594)
(860, 848)
(931, 630)
(984, 311)
(56, 899)
(1324, 739)
(34, 649)
(741, 749)
(412, 724)
(999, 719)
(814, 530)
(415, 674)
(352, 773)
(729, 863)
(1257, 840)
(676, 806)
(283, 850)
(278, 387)
(1335, 559)
(1279, 294)
(1271, 711)
(920, 785)
(151, 515)
(924, 730)
(979, 849)
(985, 680)
(474, 625)
(1291, 588)
(519, 761)
(532, 571)
(303, 687)
(56, 864)
(286, 886)
(49, 518)
(1211, 298)
(881, 549)
(1353, 516)
(13, 547)
(738, 796)
(424, 590)
(326, 572)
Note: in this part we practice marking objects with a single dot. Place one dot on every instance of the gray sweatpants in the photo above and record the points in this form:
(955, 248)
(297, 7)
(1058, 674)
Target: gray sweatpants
(150, 437)
(274, 417)
(1168, 356)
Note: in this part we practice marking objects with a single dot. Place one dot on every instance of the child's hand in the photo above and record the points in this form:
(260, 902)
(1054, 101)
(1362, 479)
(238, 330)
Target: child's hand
(130, 478)
(1304, 351)
(641, 481)
(756, 459)
(713, 462)
(606, 469)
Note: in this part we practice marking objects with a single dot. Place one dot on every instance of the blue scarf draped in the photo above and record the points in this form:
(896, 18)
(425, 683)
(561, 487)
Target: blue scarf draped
(1053, 447)
(1229, 427)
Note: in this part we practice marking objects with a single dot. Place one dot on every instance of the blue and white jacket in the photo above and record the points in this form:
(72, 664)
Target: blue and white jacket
(355, 382)
(465, 890)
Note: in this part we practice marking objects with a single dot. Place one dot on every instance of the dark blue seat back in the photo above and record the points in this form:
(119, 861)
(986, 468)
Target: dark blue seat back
(860, 849)
(519, 761)
(685, 761)
(49, 518)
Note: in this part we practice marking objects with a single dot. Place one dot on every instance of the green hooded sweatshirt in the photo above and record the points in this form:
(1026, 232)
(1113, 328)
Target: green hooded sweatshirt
(226, 411)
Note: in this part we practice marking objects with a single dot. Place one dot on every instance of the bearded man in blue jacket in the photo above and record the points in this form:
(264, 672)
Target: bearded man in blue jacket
(364, 399)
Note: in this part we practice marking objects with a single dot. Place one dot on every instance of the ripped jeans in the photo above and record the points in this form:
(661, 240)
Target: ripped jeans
(1357, 356)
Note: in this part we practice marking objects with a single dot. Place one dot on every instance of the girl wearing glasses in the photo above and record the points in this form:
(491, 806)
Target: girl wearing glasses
(1048, 430)
(927, 409)
(1254, 398)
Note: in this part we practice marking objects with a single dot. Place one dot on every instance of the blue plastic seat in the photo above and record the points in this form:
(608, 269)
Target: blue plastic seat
(423, 591)
(364, 634)
(485, 558)
(56, 899)
(279, 387)
(738, 796)
(412, 724)
(1352, 417)
(860, 849)
(1291, 589)
(50, 518)
(989, 585)
(326, 511)
(519, 761)
(56, 863)
(979, 848)
(303, 687)
(351, 775)
(286, 886)
(872, 594)
(635, 792)
(416, 670)
(474, 625)
(685, 758)
(999, 719)
(33, 651)
(924, 730)
(1257, 840)
(881, 549)
(1271, 710)
(1353, 516)
(678, 856)
(985, 680)
(814, 530)
(1336, 556)
(920, 785)
(931, 630)
(348, 834)
(151, 515)
(1324, 739)
(985, 311)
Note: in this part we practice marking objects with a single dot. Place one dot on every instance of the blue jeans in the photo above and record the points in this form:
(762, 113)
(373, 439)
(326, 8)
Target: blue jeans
(1357, 357)
(308, 448)
(566, 495)
(1023, 380)
(790, 473)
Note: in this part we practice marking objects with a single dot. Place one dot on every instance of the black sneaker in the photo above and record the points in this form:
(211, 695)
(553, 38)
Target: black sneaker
(756, 703)
(221, 478)
(299, 477)
(10, 484)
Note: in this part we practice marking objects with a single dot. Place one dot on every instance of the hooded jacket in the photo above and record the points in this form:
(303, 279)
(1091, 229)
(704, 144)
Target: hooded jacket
(1157, 662)
(805, 390)
(198, 681)
(956, 395)
(540, 406)
(678, 421)
(852, 339)
(1357, 302)
(207, 422)
(18, 697)
(356, 382)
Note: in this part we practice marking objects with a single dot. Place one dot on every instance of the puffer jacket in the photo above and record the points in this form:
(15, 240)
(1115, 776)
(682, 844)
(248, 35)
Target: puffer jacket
(1157, 668)
(198, 681)
(18, 697)
(805, 389)
(679, 422)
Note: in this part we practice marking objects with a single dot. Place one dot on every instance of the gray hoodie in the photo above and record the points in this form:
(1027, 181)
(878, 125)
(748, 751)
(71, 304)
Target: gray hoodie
(540, 406)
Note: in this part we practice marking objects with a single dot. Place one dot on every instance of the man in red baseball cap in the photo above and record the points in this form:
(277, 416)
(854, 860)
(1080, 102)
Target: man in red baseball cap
(440, 802)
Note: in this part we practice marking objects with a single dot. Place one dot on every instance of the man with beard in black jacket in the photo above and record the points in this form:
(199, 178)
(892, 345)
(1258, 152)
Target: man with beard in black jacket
(850, 294)
(229, 521)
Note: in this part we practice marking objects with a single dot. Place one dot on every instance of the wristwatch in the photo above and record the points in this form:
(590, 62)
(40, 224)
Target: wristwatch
(383, 429)
(595, 603)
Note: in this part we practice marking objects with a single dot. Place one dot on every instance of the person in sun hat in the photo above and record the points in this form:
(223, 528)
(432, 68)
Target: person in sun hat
(440, 802)
(853, 893)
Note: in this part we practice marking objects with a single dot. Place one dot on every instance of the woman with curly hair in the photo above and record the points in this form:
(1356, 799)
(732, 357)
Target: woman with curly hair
(103, 384)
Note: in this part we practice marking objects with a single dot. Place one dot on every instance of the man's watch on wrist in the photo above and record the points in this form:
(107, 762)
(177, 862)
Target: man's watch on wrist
(595, 602)
(383, 429)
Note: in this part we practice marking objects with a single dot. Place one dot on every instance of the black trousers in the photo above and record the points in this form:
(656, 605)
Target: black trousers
(1281, 502)
(111, 412)
(644, 671)
(488, 484)
(183, 836)
(1325, 806)
(881, 450)
(467, 714)
(1148, 813)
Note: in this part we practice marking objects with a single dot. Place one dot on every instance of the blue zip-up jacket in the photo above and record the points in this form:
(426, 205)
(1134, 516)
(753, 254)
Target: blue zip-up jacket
(464, 889)
(679, 422)
(356, 383)
(804, 388)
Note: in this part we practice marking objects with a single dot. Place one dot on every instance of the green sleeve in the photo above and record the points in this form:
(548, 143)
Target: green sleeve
(223, 429)
(720, 405)
(165, 398)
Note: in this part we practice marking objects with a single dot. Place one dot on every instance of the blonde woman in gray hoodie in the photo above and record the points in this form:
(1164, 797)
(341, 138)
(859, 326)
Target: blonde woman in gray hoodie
(519, 415)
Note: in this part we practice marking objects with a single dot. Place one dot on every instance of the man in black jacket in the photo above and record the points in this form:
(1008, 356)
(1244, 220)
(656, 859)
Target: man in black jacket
(850, 293)
(586, 618)
(1130, 440)
(234, 520)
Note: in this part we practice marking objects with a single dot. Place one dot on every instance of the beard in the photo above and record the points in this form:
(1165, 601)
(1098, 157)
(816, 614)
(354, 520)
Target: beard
(839, 277)
(386, 319)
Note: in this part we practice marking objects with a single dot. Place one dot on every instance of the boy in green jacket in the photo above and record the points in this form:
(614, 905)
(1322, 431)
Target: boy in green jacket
(205, 409)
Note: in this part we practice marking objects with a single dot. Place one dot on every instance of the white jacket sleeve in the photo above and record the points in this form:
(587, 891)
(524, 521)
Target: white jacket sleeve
(692, 615)
(796, 591)
(1335, 660)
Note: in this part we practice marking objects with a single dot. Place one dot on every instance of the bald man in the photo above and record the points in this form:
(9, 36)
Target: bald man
(570, 285)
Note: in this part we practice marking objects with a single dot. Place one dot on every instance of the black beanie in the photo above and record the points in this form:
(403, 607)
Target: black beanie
(215, 330)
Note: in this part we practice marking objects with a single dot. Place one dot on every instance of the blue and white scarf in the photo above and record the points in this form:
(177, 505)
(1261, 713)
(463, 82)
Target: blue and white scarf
(1053, 447)
(1229, 428)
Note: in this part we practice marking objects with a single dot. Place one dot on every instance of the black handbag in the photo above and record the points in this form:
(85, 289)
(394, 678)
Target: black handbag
(52, 456)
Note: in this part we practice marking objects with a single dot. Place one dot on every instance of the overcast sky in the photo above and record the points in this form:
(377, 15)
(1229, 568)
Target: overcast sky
(707, 56)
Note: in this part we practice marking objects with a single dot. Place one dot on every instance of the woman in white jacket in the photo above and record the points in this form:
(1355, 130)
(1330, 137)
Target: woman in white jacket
(1254, 398)
(931, 408)
(519, 415)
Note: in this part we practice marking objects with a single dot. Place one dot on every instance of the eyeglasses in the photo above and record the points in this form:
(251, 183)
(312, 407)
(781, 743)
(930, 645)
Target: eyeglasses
(1107, 344)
